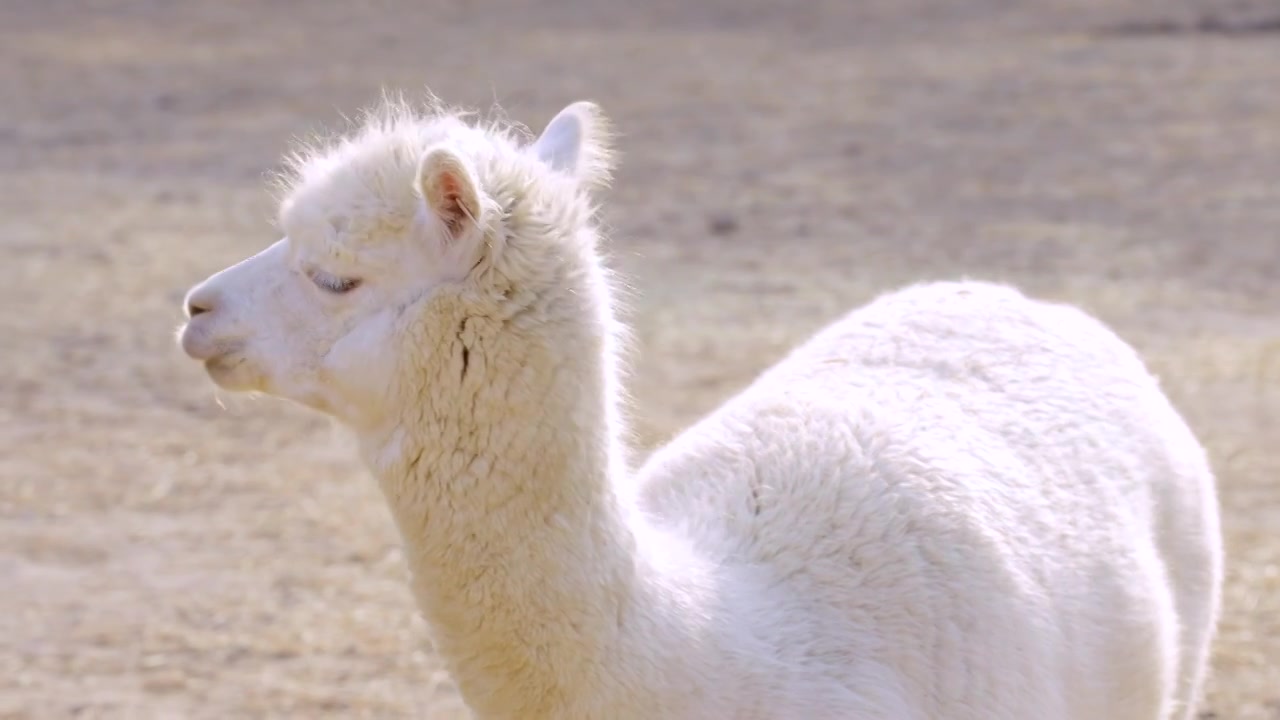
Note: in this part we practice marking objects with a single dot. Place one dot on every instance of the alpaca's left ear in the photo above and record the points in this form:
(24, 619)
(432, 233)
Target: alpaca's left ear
(578, 142)
(448, 185)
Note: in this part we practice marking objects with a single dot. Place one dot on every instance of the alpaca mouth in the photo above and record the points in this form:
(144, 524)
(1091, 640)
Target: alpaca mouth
(196, 342)
(222, 361)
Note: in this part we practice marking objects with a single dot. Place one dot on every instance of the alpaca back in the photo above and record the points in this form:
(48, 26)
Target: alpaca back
(983, 497)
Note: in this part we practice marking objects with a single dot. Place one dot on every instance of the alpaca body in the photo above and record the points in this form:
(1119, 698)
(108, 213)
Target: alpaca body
(1026, 520)
(955, 503)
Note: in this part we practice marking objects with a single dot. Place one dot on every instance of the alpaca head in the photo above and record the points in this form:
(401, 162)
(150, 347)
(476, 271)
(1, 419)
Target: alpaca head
(408, 211)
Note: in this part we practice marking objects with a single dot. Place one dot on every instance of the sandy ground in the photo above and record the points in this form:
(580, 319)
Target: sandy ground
(164, 556)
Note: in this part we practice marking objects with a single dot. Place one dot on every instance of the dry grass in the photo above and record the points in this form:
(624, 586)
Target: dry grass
(165, 557)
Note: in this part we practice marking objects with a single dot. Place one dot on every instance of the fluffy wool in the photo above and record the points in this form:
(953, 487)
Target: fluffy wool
(954, 503)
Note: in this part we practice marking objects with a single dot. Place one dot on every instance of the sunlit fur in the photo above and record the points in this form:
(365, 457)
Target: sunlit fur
(954, 503)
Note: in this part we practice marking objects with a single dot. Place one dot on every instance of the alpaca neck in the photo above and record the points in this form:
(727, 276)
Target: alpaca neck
(524, 558)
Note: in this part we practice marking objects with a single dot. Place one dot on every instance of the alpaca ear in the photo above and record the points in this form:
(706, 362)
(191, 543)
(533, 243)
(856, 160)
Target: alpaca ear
(577, 142)
(448, 185)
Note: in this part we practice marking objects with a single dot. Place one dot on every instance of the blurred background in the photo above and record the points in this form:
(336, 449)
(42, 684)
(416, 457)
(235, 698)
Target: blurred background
(169, 553)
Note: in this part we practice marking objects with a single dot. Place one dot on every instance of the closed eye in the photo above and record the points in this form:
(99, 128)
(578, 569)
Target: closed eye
(332, 283)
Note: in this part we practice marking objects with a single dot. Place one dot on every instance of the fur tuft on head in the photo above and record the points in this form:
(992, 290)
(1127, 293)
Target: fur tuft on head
(577, 142)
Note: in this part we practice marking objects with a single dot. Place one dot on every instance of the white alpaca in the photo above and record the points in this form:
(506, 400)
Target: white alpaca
(955, 503)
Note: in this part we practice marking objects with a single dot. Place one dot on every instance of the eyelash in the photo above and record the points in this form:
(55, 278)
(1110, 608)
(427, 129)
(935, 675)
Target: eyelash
(332, 284)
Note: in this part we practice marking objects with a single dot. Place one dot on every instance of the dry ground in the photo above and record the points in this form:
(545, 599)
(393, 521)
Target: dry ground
(161, 556)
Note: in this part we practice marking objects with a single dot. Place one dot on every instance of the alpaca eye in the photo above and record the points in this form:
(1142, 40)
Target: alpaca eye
(334, 284)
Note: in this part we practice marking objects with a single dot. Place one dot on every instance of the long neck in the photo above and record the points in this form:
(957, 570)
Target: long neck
(523, 554)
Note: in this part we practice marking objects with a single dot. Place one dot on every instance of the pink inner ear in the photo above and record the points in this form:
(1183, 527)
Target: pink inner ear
(452, 208)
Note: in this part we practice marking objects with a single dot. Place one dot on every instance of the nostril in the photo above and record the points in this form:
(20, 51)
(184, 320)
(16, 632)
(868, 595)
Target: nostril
(201, 299)
(195, 307)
